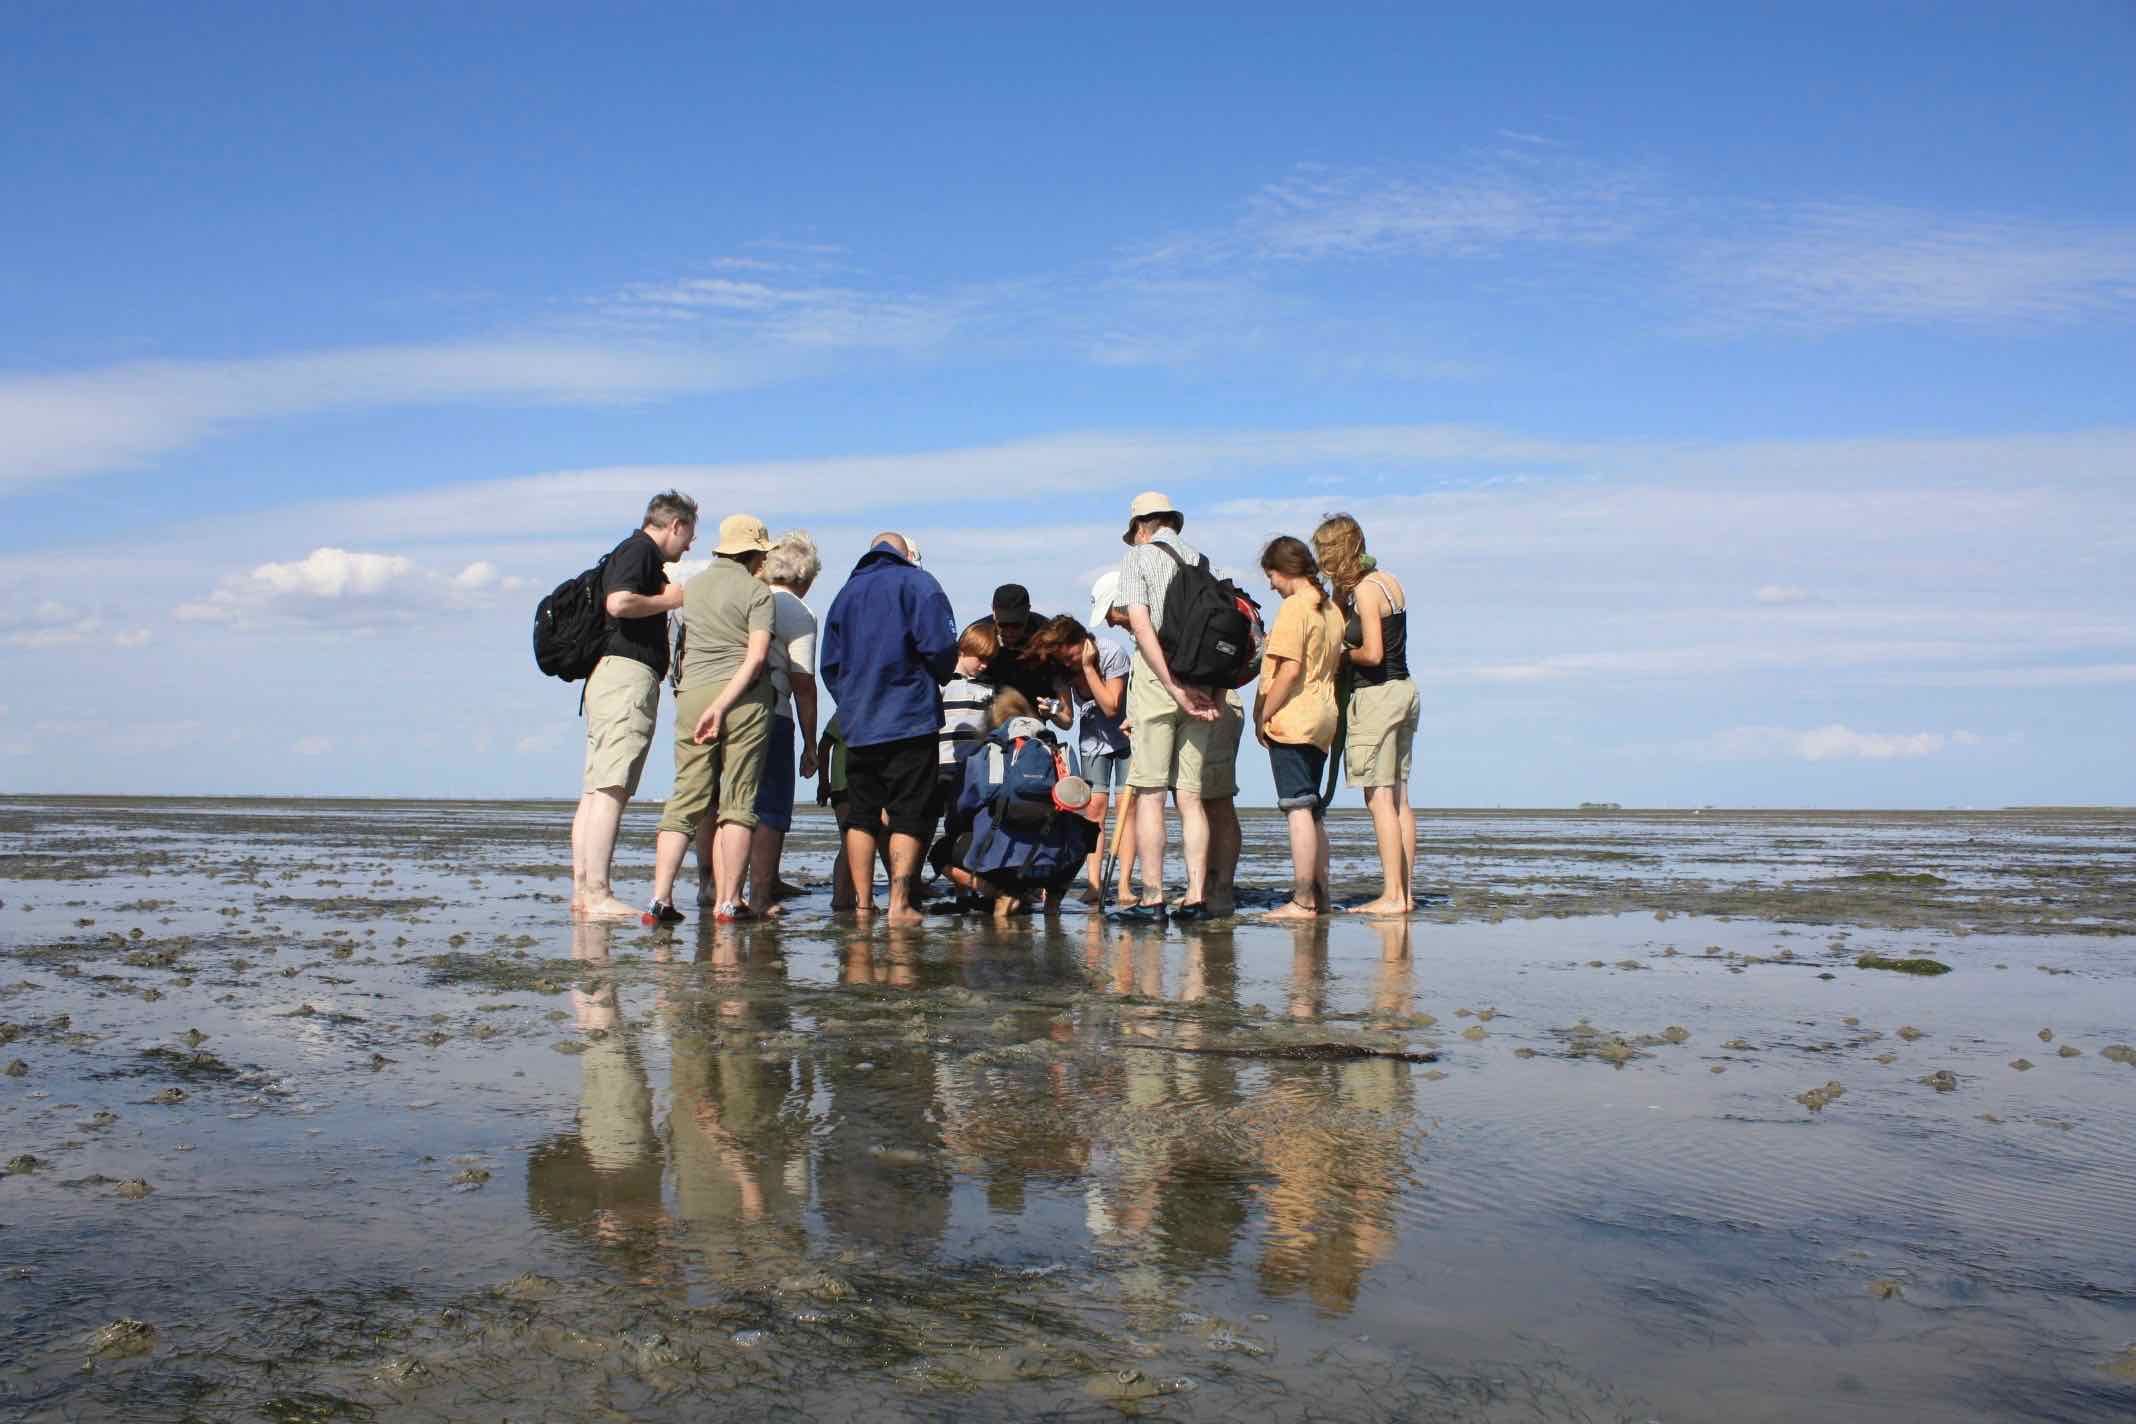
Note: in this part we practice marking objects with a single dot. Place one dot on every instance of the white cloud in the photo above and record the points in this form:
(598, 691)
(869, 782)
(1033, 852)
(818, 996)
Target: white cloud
(312, 746)
(1834, 742)
(1781, 594)
(339, 586)
(334, 573)
(132, 638)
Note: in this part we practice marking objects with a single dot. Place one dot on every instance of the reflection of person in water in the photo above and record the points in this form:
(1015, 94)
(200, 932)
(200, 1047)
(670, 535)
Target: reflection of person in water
(881, 1171)
(1331, 1207)
(738, 1120)
(602, 1177)
(1165, 1184)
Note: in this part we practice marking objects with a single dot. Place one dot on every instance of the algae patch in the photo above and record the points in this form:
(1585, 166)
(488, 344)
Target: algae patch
(1918, 964)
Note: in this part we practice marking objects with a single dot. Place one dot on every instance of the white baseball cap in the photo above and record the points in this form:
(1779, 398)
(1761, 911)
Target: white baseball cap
(1104, 594)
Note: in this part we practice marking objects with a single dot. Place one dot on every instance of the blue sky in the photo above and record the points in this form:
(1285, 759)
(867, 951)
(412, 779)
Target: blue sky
(1744, 392)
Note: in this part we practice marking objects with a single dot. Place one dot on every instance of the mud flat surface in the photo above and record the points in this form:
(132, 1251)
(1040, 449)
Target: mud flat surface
(323, 1110)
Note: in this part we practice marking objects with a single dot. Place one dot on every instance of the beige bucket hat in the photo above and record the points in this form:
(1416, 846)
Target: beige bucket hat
(743, 534)
(1147, 503)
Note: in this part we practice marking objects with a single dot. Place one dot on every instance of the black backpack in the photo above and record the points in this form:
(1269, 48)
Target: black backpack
(571, 626)
(1212, 629)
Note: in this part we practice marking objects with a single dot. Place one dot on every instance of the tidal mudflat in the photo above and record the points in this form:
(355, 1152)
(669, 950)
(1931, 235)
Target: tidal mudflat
(322, 1110)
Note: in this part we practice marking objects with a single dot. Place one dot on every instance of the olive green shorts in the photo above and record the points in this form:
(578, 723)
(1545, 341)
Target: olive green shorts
(720, 777)
(1169, 749)
(1383, 734)
(622, 703)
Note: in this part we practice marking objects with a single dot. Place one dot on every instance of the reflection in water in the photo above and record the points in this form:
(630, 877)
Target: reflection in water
(738, 1117)
(1331, 1208)
(799, 1108)
(603, 1177)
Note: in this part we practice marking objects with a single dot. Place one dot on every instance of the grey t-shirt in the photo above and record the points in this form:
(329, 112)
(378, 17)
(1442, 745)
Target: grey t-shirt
(721, 607)
(1100, 735)
(1147, 572)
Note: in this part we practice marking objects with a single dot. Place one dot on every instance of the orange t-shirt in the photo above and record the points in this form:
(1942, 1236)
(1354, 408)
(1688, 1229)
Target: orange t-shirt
(1308, 631)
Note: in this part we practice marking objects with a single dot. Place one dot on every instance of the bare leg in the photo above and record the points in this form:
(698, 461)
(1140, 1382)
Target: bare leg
(1094, 867)
(1149, 841)
(1407, 816)
(1387, 831)
(765, 847)
(1194, 844)
(593, 853)
(730, 861)
(1226, 837)
(669, 847)
(860, 869)
(904, 865)
(1305, 856)
(1322, 899)
(705, 891)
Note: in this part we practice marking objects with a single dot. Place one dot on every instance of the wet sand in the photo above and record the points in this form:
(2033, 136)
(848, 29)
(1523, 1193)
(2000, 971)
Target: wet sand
(325, 1111)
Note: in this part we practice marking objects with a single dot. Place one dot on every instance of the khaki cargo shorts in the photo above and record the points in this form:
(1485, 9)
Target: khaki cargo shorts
(1383, 734)
(622, 703)
(1169, 749)
(718, 778)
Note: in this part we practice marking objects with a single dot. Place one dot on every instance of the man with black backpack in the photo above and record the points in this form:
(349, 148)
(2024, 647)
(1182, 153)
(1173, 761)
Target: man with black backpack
(1195, 641)
(623, 693)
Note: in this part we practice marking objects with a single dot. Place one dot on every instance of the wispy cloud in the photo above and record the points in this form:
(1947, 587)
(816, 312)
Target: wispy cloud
(1833, 265)
(1834, 742)
(1492, 205)
(51, 623)
(52, 427)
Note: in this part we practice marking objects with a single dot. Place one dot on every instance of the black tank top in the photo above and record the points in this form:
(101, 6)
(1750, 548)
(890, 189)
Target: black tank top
(1394, 646)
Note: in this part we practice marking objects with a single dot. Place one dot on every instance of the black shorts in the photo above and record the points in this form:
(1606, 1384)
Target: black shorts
(896, 779)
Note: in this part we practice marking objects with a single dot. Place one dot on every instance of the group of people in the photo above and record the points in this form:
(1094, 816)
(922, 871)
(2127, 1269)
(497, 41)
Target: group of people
(967, 731)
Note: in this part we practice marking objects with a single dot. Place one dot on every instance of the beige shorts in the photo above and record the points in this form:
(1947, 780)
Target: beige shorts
(1383, 734)
(1168, 748)
(622, 703)
(719, 777)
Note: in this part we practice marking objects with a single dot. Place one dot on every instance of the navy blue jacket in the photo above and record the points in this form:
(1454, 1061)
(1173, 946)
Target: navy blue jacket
(889, 643)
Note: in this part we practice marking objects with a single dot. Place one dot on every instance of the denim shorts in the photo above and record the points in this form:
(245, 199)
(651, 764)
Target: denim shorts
(1105, 771)
(1298, 769)
(775, 788)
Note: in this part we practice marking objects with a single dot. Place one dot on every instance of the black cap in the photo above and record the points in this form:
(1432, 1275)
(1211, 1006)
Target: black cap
(1012, 604)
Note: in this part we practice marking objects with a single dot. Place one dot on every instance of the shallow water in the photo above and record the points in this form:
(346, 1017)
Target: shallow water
(436, 1154)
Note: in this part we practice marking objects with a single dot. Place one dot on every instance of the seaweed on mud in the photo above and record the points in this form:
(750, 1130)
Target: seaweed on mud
(1917, 964)
(502, 973)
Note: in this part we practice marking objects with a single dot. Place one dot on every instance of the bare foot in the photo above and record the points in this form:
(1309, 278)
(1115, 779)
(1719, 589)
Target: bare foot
(1383, 906)
(1291, 910)
(906, 916)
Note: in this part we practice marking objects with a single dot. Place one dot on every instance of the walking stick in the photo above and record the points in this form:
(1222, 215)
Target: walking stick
(1112, 851)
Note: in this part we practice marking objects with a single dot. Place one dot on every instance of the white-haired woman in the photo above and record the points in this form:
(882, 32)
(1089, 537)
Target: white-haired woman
(791, 569)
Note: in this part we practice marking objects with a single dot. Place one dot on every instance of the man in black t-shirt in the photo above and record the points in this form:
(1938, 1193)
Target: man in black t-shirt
(623, 694)
(1013, 621)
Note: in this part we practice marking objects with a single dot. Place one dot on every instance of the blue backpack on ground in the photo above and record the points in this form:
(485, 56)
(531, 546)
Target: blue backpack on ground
(1023, 831)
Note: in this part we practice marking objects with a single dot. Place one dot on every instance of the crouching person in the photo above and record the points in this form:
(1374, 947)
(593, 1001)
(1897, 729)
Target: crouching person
(1023, 813)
